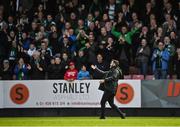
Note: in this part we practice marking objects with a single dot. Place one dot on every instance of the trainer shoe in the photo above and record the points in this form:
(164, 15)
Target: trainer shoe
(102, 117)
(123, 116)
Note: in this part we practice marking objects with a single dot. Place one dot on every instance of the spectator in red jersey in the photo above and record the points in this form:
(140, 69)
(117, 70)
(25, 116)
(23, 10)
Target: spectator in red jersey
(71, 73)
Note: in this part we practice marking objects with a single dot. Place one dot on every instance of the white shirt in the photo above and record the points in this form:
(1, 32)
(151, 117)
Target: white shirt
(31, 51)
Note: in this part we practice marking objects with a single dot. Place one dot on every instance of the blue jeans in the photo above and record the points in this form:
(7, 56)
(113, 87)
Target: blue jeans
(143, 68)
(160, 74)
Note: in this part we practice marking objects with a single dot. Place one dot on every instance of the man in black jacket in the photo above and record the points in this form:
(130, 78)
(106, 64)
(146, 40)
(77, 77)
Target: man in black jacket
(55, 69)
(6, 71)
(110, 87)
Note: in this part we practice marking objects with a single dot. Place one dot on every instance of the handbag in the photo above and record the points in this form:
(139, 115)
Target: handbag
(101, 87)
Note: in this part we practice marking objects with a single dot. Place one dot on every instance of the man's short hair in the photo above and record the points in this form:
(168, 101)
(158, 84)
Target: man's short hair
(116, 62)
(5, 61)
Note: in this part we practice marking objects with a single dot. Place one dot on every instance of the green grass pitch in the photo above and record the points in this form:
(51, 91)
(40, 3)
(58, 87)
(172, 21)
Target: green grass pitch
(89, 121)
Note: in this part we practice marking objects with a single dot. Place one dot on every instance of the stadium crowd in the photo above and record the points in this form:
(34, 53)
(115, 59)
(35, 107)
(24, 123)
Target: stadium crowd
(60, 39)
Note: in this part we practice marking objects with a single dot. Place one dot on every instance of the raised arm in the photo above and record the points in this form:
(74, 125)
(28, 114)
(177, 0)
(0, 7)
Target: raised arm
(115, 33)
(99, 70)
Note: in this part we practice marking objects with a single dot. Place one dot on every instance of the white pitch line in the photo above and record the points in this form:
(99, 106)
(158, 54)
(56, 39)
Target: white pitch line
(89, 126)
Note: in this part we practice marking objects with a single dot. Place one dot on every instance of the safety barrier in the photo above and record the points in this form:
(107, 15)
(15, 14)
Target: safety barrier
(85, 94)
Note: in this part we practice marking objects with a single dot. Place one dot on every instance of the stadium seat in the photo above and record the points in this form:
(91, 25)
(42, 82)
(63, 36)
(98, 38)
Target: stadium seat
(141, 77)
(174, 76)
(149, 77)
(127, 77)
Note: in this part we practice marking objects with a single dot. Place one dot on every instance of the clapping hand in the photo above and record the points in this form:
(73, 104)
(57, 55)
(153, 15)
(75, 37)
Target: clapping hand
(93, 67)
(29, 67)
(178, 56)
(141, 50)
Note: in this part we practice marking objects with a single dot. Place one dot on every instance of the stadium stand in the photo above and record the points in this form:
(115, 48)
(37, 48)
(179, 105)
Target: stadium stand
(37, 37)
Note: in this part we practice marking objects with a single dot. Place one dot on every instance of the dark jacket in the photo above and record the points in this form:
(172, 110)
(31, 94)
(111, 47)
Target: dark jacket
(36, 74)
(177, 65)
(144, 55)
(4, 45)
(111, 79)
(55, 71)
(7, 74)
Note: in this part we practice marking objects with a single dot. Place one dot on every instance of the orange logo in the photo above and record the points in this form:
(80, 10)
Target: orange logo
(125, 93)
(173, 89)
(19, 94)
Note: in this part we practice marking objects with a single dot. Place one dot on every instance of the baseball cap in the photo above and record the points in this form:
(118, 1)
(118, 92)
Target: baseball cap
(71, 63)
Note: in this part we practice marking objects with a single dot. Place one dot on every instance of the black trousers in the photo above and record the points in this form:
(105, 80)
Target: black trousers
(108, 96)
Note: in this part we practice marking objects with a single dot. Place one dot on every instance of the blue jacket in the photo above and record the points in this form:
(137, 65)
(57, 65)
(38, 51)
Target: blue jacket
(26, 44)
(83, 74)
(163, 57)
(72, 39)
(21, 74)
